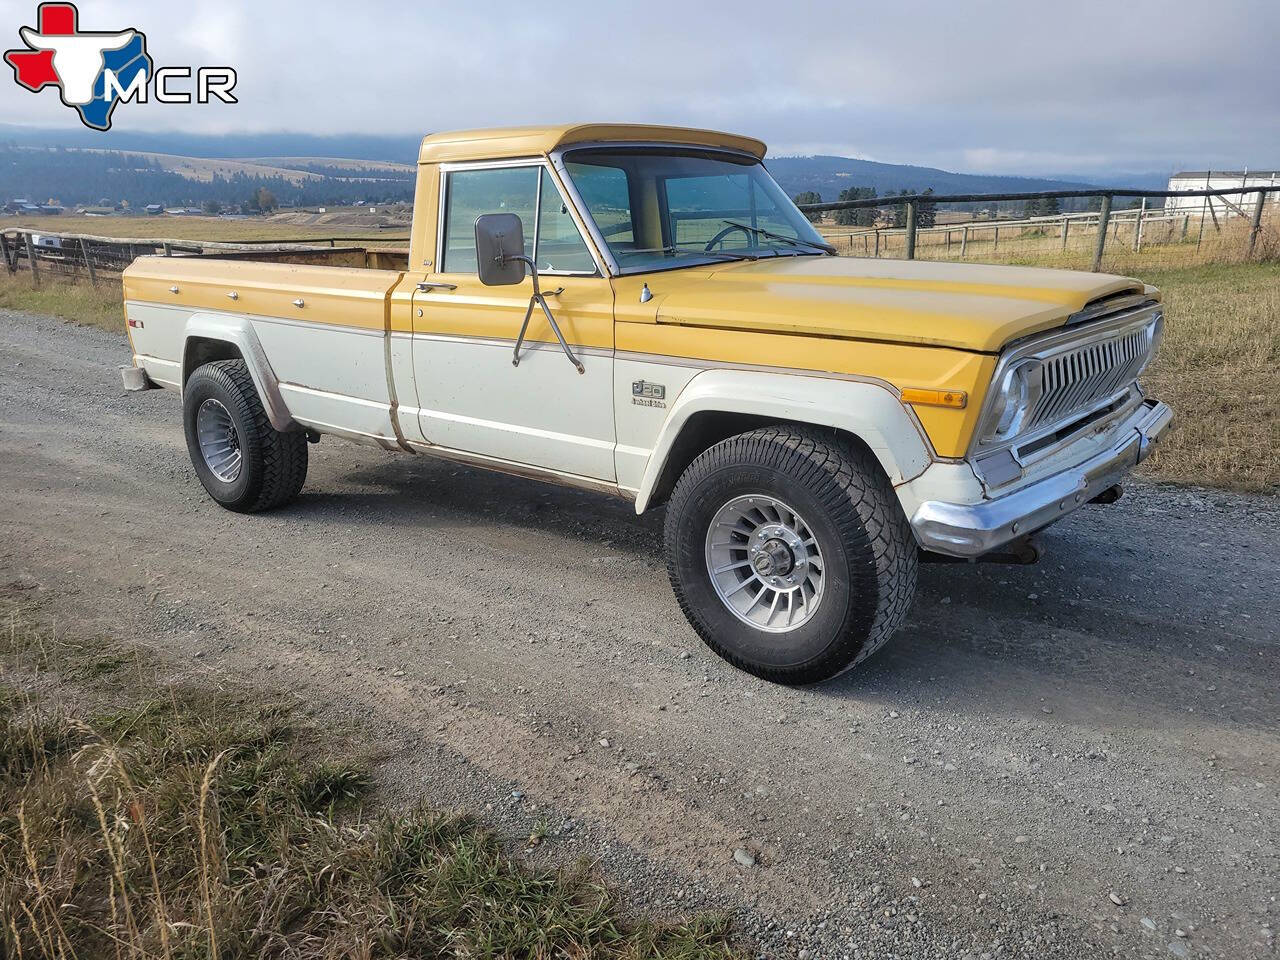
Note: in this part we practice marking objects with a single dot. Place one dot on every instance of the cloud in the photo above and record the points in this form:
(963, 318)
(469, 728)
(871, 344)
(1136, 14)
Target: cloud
(992, 85)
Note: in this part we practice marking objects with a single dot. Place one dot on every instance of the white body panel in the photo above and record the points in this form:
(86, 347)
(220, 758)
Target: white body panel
(870, 411)
(542, 413)
(332, 378)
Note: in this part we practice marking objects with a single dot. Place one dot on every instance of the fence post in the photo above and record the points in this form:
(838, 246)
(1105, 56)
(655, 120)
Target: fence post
(1104, 219)
(1137, 230)
(88, 262)
(911, 229)
(1257, 224)
(1186, 223)
(877, 243)
(964, 240)
(996, 246)
(167, 248)
(1065, 224)
(10, 265)
(31, 258)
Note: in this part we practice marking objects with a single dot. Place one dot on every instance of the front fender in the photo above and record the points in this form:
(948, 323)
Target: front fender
(239, 332)
(870, 411)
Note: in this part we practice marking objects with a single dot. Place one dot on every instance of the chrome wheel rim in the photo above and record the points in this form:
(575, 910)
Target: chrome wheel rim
(219, 442)
(765, 563)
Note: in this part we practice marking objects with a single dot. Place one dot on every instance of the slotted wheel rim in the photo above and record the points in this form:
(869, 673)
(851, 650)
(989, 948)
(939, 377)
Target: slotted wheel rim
(765, 564)
(219, 442)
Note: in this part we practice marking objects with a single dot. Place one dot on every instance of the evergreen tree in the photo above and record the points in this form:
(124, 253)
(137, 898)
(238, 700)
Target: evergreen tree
(857, 216)
(809, 196)
(926, 210)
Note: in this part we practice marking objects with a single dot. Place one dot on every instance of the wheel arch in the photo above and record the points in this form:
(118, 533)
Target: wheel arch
(209, 337)
(719, 404)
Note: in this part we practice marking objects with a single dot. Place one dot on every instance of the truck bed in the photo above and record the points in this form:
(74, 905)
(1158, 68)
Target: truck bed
(338, 382)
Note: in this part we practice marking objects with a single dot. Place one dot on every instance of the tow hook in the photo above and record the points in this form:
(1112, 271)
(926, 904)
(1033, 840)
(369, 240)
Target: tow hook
(1109, 495)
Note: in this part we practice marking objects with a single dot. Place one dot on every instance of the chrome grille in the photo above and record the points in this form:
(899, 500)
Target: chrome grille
(1077, 379)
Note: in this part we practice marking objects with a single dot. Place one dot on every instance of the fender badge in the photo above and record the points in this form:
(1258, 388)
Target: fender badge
(645, 394)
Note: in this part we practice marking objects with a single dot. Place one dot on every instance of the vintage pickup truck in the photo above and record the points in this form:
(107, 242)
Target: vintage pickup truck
(642, 311)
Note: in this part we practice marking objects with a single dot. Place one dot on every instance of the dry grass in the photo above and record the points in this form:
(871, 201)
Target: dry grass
(1219, 367)
(1163, 243)
(188, 823)
(99, 306)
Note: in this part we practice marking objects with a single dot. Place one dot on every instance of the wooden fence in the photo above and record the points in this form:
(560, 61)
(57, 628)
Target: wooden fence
(78, 254)
(1104, 222)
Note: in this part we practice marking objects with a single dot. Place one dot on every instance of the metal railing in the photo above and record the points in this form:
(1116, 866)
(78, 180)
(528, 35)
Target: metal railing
(1069, 237)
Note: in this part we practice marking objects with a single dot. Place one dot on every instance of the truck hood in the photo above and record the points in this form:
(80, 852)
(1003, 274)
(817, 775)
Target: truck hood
(967, 306)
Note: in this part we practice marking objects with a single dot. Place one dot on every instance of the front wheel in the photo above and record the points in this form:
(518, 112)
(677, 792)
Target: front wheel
(789, 553)
(243, 462)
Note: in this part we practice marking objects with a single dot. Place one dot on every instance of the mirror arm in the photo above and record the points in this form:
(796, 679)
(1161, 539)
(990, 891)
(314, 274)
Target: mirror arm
(539, 299)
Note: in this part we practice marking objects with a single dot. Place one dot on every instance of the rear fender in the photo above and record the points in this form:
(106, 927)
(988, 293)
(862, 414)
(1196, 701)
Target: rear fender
(869, 410)
(238, 332)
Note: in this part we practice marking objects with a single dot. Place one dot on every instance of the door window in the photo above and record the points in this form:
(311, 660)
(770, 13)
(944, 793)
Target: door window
(551, 236)
(475, 192)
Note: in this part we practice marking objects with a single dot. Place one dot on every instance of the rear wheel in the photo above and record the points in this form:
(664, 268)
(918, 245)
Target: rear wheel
(243, 462)
(789, 553)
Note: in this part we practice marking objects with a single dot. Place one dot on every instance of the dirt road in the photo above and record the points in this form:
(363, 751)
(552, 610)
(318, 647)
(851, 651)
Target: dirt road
(1038, 743)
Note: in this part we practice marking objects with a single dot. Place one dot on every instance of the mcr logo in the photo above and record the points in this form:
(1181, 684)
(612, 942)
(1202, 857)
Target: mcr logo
(95, 70)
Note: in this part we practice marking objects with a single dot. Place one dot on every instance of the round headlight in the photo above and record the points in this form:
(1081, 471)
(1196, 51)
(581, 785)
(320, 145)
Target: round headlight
(1016, 394)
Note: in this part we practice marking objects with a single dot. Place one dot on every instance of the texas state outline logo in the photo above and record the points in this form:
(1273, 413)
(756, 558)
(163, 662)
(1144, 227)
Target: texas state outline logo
(96, 70)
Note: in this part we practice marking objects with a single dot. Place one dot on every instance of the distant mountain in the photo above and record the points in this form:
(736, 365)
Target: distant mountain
(323, 162)
(829, 175)
(398, 149)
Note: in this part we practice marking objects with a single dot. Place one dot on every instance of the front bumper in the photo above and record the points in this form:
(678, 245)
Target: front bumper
(970, 530)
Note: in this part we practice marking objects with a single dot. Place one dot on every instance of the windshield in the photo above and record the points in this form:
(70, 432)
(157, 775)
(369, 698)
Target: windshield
(663, 207)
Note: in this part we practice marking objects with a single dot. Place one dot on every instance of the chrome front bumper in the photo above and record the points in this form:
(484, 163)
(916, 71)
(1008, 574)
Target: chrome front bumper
(970, 530)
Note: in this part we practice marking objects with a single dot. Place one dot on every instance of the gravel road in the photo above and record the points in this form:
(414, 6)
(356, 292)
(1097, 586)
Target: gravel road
(1068, 760)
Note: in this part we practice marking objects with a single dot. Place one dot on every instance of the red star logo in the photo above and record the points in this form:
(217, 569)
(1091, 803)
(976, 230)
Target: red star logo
(34, 68)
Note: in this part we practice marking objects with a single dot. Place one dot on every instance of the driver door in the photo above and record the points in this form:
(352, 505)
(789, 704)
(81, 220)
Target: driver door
(472, 399)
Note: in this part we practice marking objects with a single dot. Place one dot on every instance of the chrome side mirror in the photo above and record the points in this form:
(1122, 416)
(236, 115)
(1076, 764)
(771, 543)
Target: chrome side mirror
(500, 258)
(501, 262)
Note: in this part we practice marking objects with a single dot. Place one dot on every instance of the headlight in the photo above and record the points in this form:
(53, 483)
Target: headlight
(1016, 395)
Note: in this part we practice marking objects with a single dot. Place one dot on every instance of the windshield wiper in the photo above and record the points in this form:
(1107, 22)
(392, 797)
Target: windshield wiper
(714, 254)
(791, 241)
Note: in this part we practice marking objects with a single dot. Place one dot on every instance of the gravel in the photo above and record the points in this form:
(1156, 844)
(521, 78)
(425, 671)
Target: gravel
(509, 648)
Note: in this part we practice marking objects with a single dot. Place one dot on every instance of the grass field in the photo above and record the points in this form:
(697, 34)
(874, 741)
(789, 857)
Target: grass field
(1219, 364)
(139, 819)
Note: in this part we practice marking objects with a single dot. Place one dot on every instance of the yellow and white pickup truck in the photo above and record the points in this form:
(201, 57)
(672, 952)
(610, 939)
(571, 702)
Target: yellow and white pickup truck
(642, 311)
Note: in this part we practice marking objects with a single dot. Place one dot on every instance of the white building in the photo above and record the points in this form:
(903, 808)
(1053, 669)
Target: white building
(1221, 180)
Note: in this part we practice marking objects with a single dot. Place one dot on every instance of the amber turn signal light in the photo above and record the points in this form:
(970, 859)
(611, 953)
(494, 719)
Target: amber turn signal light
(956, 399)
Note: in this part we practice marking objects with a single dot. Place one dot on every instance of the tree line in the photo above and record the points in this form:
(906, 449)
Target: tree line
(77, 177)
(869, 216)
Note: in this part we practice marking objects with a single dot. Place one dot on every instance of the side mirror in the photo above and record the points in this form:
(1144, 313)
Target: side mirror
(500, 258)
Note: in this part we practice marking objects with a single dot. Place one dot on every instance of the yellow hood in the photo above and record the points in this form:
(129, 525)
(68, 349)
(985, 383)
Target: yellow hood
(968, 306)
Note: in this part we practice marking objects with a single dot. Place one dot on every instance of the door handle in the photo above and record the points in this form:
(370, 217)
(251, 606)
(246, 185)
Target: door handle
(427, 286)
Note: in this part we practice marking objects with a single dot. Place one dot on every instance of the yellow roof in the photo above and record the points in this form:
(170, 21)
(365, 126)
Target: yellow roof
(504, 142)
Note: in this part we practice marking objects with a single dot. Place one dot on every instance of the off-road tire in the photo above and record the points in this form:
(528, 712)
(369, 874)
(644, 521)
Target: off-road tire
(273, 465)
(839, 488)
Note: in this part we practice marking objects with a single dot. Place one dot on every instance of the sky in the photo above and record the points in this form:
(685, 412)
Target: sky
(991, 86)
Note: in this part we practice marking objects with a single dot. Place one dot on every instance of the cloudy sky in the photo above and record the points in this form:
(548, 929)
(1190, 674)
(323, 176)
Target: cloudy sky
(1008, 86)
